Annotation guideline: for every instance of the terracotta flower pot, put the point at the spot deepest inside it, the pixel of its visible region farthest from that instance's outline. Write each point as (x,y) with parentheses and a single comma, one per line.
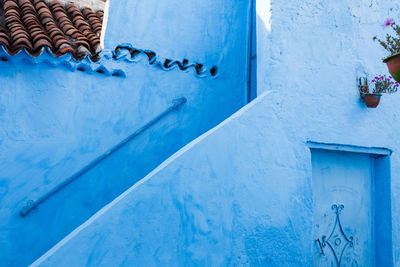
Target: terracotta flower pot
(393,64)
(371,100)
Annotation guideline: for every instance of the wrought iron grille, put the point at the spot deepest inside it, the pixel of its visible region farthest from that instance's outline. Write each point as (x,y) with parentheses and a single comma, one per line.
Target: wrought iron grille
(338,241)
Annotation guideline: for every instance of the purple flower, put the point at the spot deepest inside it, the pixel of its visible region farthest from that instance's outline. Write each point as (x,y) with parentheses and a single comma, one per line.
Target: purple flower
(389,22)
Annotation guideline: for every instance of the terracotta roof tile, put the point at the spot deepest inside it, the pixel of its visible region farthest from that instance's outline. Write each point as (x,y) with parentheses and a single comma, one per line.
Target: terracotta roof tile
(35,24)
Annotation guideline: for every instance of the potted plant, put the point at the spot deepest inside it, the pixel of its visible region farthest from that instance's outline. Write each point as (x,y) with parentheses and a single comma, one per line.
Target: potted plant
(382,84)
(392,45)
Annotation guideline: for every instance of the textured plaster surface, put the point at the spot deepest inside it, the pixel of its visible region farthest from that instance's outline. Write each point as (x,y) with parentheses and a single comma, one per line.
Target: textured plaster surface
(231,197)
(222,200)
(93,4)
(54,120)
(312,52)
(242,193)
(200,31)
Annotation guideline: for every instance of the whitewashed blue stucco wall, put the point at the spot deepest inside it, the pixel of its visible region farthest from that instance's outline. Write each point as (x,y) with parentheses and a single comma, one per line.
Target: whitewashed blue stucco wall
(55,119)
(232,197)
(311,53)
(241,194)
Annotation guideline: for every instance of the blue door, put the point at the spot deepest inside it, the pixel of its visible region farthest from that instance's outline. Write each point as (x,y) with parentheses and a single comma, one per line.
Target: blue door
(343,215)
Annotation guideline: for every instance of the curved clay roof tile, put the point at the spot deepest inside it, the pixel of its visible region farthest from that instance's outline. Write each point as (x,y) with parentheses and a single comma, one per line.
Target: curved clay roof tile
(26,5)
(4,35)
(5,42)
(54,34)
(12,12)
(39,4)
(23,42)
(58,37)
(61,42)
(31,24)
(15,26)
(23,2)
(86,11)
(65,48)
(34,24)
(19,33)
(9,4)
(77,35)
(45,12)
(40,36)
(83,42)
(58,8)
(41,43)
(55,2)
(30,17)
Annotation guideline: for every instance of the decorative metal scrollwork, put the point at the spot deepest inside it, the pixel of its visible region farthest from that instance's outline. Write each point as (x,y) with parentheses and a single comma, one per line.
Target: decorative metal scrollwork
(337,241)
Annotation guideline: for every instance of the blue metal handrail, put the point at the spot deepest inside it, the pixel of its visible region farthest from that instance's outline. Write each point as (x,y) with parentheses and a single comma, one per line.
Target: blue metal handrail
(32,204)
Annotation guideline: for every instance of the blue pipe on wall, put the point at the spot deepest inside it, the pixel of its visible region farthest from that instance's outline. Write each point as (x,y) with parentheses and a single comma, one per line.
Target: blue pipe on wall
(32,204)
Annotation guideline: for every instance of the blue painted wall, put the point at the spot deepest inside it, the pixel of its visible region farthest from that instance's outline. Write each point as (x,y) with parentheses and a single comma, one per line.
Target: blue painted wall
(56,119)
(242,193)
(201,31)
(232,197)
(312,53)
